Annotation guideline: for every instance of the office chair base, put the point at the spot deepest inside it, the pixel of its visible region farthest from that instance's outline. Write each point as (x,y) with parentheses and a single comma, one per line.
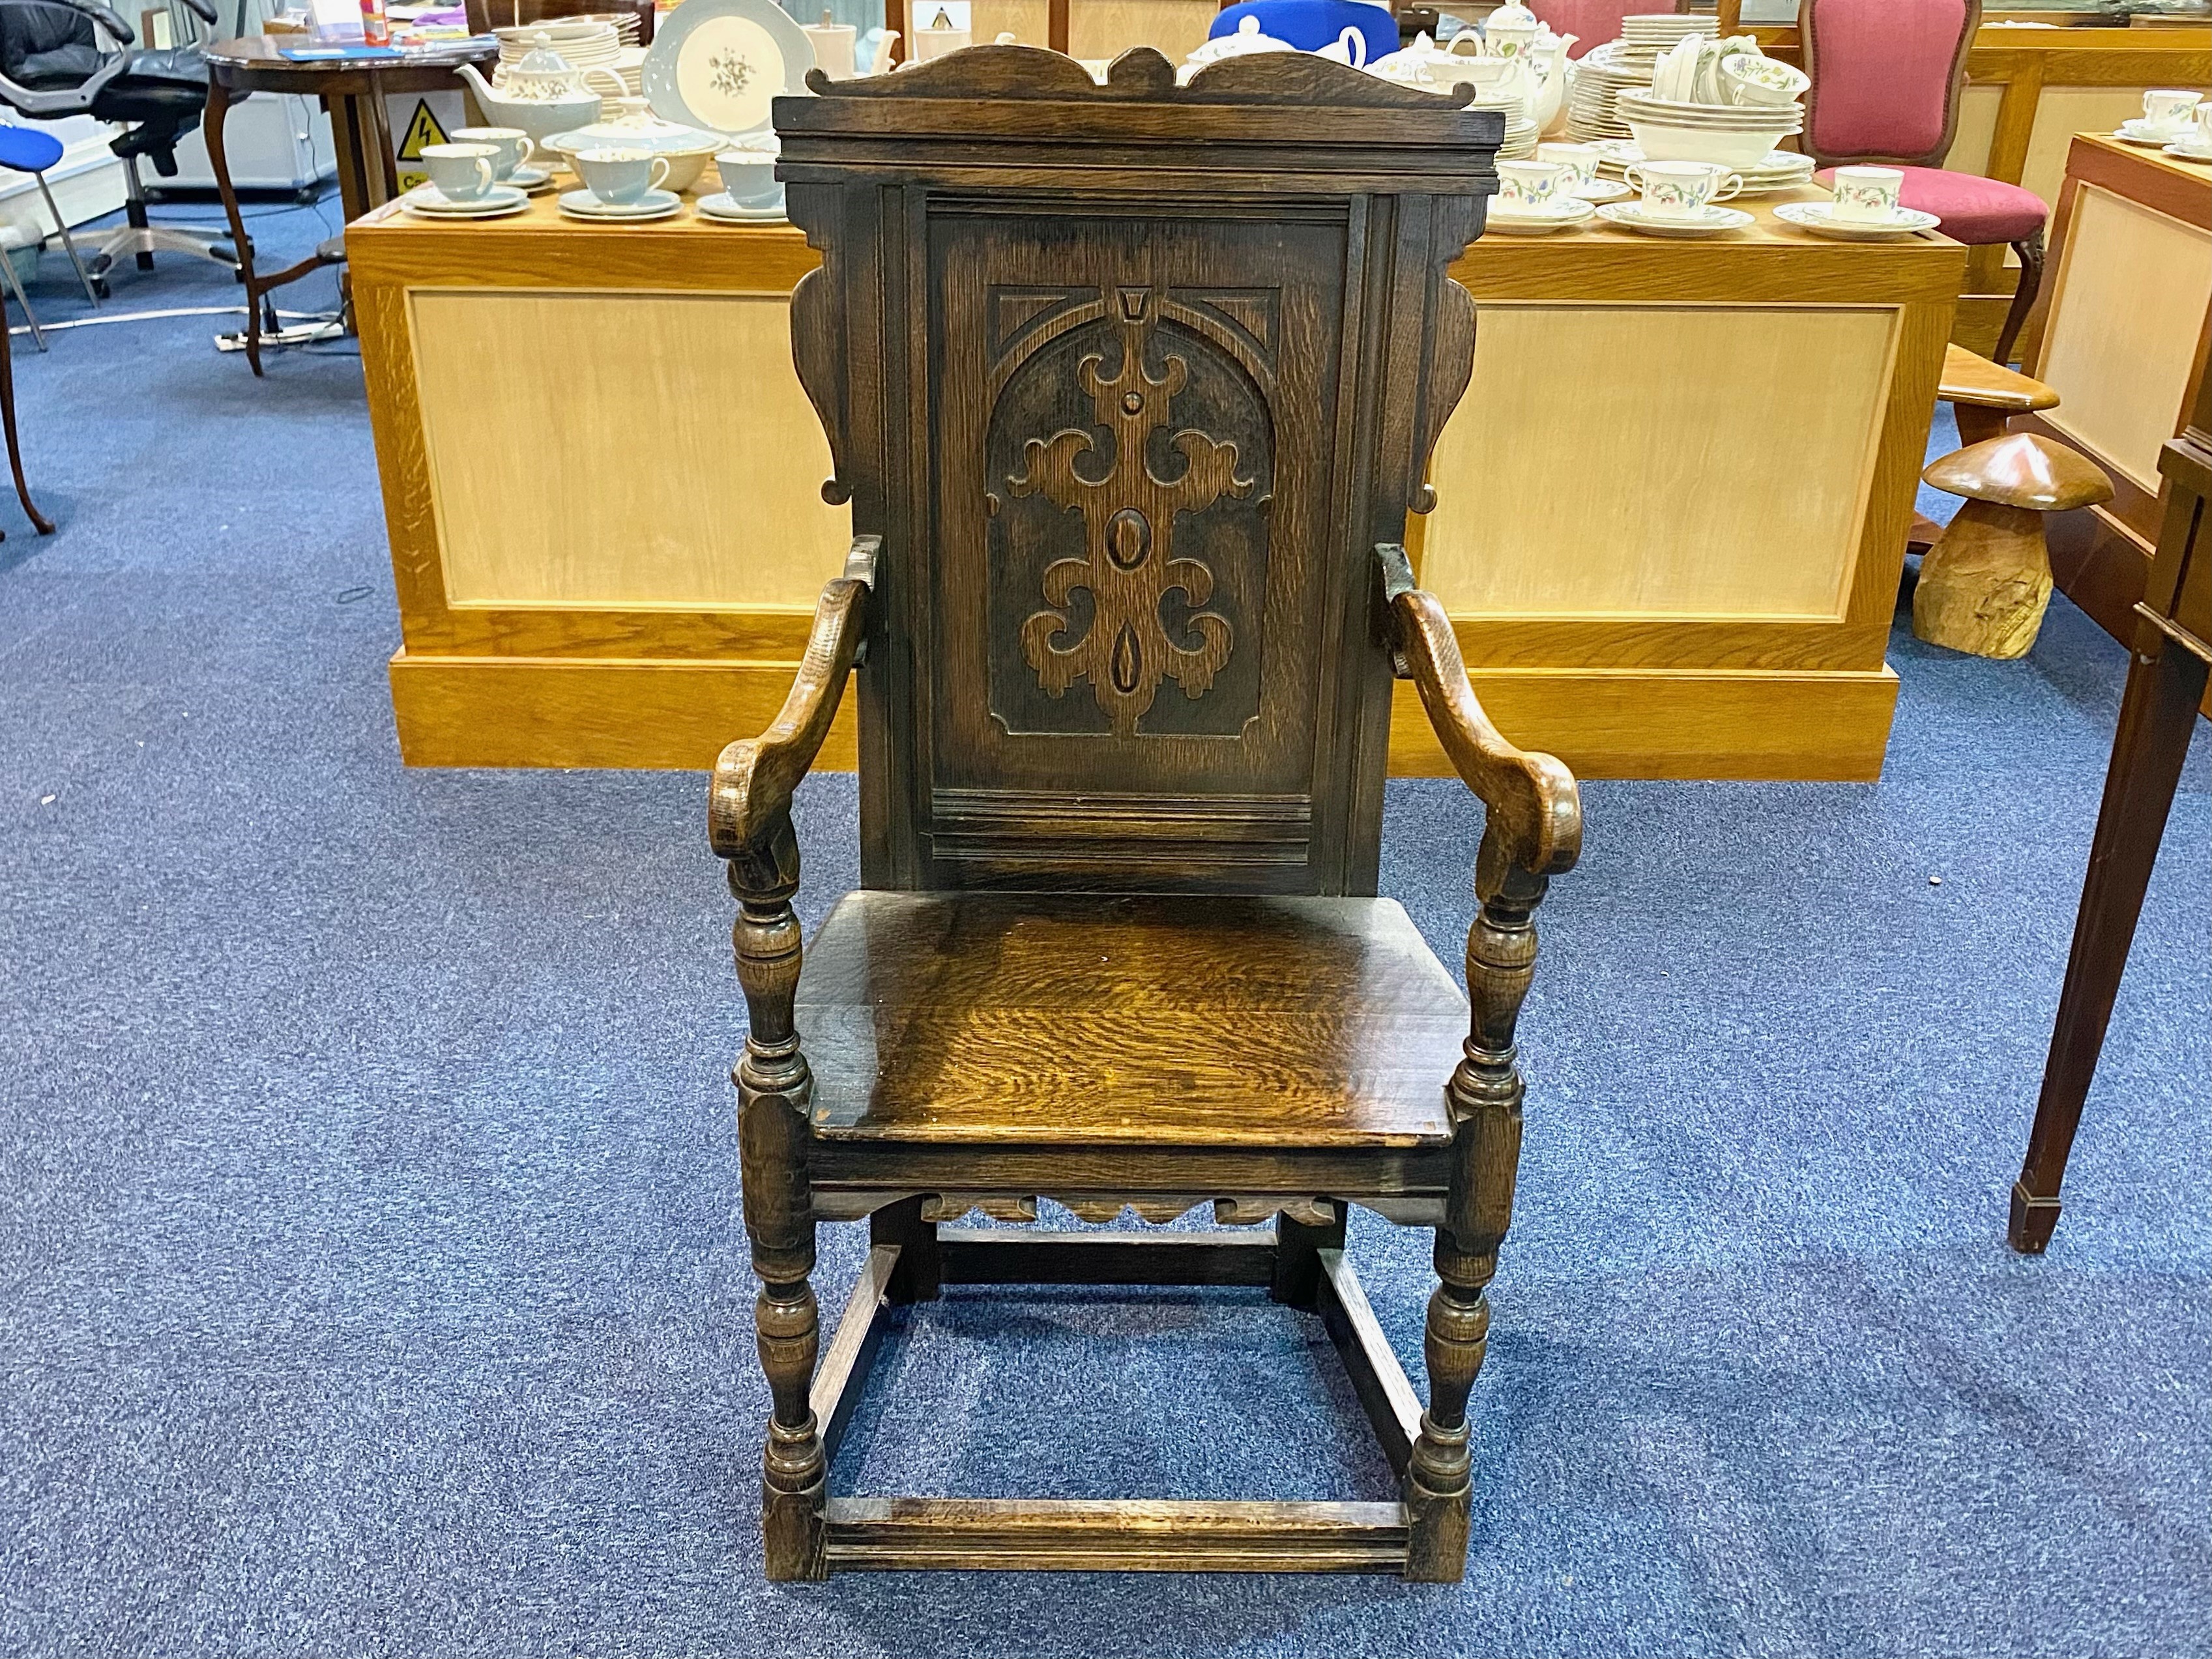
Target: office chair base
(104,248)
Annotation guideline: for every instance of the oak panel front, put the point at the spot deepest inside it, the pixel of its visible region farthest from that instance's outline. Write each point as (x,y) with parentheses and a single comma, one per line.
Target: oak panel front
(1729,488)
(2132,288)
(621,450)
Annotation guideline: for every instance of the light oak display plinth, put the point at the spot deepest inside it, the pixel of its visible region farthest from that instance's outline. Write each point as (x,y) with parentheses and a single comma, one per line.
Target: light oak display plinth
(1671,511)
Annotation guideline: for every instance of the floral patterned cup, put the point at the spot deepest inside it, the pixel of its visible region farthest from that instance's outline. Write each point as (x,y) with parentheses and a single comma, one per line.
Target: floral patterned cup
(1533,186)
(1867,195)
(2169,112)
(1682,190)
(1580,160)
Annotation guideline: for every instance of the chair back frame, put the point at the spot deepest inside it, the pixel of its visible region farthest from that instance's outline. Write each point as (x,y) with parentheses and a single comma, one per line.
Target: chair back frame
(1129,380)
(1809,26)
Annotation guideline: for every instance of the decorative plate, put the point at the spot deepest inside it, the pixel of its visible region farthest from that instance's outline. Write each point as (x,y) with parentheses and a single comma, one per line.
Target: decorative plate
(1628,215)
(1819,218)
(1572,211)
(718,64)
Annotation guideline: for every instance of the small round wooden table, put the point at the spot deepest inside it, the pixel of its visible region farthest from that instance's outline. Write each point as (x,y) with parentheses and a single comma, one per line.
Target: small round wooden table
(353,91)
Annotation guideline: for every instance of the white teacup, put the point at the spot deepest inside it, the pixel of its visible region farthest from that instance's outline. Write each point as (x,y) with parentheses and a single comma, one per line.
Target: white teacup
(1867,195)
(834,46)
(1580,160)
(461,173)
(748,176)
(513,144)
(2169,111)
(1682,190)
(619,176)
(1533,186)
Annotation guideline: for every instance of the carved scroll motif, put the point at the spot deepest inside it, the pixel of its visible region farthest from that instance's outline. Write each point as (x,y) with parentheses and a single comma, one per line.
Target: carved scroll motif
(1129,516)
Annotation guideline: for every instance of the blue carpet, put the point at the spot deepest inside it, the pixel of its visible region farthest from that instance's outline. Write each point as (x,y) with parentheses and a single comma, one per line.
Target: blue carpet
(371,1274)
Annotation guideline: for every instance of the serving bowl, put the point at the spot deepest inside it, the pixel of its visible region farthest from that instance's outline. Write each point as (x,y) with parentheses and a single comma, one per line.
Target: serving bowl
(1668,131)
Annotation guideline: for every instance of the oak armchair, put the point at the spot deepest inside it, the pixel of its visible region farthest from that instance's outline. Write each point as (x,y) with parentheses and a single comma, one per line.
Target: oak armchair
(1144,398)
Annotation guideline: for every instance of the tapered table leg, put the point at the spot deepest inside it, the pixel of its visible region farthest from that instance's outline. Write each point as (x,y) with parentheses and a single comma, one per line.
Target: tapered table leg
(2157,716)
(218,110)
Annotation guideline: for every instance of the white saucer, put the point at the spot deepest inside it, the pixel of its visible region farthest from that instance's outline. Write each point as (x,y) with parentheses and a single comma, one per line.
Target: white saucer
(430,203)
(2190,153)
(1819,218)
(531,180)
(719,206)
(1572,211)
(654,205)
(1628,215)
(1601,190)
(2135,132)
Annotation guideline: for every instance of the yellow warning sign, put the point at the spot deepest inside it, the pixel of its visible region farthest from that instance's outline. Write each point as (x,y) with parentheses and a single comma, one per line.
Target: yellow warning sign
(422,128)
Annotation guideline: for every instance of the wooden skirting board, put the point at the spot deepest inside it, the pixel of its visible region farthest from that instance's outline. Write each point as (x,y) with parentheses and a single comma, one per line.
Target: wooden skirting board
(1612,723)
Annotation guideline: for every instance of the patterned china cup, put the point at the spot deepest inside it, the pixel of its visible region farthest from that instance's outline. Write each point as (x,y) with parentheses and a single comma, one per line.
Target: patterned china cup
(1682,190)
(748,176)
(513,143)
(461,173)
(619,176)
(1533,186)
(1580,160)
(2169,111)
(1867,195)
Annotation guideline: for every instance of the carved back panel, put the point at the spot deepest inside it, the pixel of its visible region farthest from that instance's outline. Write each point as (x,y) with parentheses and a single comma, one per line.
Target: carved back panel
(1129,379)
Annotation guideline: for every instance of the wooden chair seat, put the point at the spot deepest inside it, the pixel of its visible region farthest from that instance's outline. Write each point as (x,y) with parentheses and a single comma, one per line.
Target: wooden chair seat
(1214,1021)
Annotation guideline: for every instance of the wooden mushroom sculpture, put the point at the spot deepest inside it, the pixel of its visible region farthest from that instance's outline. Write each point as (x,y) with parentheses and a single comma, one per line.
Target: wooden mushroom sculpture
(1985,583)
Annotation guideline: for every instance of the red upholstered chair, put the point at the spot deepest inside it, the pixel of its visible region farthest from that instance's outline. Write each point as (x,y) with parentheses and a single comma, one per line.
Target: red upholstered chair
(1885,78)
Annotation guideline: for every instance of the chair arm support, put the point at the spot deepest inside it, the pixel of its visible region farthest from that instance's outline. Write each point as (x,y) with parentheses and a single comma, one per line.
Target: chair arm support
(749,796)
(1535,811)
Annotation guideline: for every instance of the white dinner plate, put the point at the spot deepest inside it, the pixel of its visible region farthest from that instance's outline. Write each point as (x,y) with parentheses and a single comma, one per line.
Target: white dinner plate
(1628,215)
(718,64)
(1819,218)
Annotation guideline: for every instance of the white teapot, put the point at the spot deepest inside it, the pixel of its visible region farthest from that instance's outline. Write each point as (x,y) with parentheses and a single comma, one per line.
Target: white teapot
(540,93)
(1510,31)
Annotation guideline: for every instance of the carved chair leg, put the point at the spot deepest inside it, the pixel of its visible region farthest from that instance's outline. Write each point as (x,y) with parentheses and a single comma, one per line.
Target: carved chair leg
(2030,250)
(773,1089)
(1298,1245)
(1485,1098)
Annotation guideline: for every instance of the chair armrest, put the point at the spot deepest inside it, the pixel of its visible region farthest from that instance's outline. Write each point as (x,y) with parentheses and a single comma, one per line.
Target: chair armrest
(105,17)
(750,796)
(1976,382)
(1536,811)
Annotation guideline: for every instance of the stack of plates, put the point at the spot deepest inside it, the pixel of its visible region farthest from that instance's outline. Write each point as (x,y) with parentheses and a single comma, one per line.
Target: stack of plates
(1780,170)
(1737,135)
(582,42)
(629,64)
(1520,130)
(1650,33)
(1590,112)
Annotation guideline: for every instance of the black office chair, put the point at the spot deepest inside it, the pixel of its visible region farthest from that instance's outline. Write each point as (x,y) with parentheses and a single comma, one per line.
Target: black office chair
(52,64)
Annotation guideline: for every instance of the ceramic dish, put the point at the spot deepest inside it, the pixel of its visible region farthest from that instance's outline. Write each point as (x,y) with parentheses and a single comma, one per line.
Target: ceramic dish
(2136,132)
(1819,218)
(654,205)
(717,64)
(531,181)
(427,202)
(686,149)
(1601,190)
(1543,220)
(719,208)
(1630,215)
(2200,153)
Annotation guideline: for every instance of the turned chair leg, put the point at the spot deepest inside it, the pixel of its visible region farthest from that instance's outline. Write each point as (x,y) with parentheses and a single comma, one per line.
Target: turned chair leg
(2030,250)
(1485,1098)
(773,1136)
